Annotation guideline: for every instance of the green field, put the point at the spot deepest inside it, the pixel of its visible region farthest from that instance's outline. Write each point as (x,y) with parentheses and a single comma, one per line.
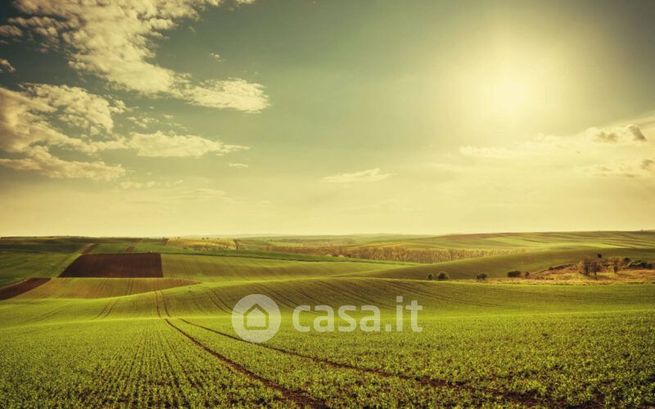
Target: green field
(169,342)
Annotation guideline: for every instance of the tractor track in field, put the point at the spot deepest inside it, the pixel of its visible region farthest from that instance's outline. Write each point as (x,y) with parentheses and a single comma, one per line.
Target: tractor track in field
(514,397)
(300,398)
(106,310)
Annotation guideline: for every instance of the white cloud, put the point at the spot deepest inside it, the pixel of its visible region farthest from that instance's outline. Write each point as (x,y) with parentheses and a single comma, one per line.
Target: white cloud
(237,165)
(234,93)
(215,56)
(115,41)
(77,107)
(26,130)
(5,66)
(369,175)
(159,144)
(38,159)
(541,145)
(26,117)
(612,151)
(136,185)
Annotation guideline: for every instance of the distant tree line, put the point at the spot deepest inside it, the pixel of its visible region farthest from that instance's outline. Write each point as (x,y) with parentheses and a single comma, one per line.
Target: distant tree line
(395,253)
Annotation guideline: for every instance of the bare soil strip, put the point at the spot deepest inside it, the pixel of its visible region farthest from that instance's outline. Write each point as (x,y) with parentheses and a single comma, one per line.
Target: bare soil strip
(115,266)
(21,287)
(301,398)
(515,397)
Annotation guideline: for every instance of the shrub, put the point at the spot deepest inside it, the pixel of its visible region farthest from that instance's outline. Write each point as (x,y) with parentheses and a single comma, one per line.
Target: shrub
(639,264)
(442,276)
(527,274)
(481,277)
(430,276)
(513,274)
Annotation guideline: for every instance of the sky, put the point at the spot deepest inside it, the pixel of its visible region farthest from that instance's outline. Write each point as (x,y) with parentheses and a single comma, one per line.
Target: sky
(192,117)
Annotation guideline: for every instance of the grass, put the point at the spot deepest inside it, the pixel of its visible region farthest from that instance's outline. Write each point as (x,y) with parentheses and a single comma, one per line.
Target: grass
(212,268)
(169,342)
(18,265)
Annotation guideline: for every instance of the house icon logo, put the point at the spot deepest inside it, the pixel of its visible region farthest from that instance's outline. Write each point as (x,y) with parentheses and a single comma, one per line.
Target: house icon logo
(256,318)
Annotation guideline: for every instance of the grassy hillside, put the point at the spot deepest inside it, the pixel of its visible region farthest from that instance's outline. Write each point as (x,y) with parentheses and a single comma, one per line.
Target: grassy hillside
(102,287)
(15,266)
(563,240)
(169,342)
(212,268)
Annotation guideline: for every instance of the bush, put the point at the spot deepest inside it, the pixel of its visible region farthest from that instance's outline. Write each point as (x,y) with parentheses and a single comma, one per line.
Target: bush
(442,276)
(430,276)
(481,277)
(527,274)
(639,264)
(514,274)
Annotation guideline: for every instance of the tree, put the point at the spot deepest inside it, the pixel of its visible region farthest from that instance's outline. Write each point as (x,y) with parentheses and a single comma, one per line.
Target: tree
(513,274)
(585,266)
(237,244)
(430,276)
(590,266)
(481,277)
(616,264)
(442,276)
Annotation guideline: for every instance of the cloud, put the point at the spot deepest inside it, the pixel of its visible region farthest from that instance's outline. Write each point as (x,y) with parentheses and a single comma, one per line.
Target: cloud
(41,161)
(215,56)
(135,185)
(115,41)
(159,144)
(628,134)
(10,31)
(637,134)
(628,169)
(234,93)
(77,107)
(5,66)
(237,165)
(27,130)
(369,175)
(541,145)
(26,118)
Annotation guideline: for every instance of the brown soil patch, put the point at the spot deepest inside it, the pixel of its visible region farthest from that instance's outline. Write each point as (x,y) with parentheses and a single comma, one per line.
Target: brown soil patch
(115,265)
(21,287)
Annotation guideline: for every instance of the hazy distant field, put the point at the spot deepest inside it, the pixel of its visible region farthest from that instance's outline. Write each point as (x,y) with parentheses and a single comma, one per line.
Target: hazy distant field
(93,341)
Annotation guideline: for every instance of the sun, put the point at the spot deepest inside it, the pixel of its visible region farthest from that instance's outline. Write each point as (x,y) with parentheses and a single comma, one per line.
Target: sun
(509,97)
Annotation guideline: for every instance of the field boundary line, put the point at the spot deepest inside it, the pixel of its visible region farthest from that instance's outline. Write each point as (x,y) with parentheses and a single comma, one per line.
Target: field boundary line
(89,248)
(301,398)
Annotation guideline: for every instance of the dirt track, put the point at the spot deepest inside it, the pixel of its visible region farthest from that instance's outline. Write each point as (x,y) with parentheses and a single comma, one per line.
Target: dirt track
(21,287)
(125,265)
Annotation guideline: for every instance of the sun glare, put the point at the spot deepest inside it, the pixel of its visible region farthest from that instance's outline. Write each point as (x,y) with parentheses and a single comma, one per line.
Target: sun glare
(509,97)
